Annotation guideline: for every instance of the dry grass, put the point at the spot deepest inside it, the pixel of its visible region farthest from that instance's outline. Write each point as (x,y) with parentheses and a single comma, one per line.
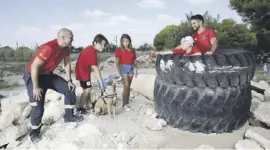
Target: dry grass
(261,75)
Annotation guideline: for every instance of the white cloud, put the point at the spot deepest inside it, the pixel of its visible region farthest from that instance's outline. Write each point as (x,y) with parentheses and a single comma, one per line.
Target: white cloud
(95,13)
(111,25)
(157,4)
(118,19)
(199,2)
(168,19)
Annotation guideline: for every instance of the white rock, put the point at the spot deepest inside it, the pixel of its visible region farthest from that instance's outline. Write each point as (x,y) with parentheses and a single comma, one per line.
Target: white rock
(260,135)
(247,144)
(53,112)
(6,119)
(52,95)
(123,137)
(147,81)
(154,115)
(149,112)
(262,113)
(254,104)
(122,146)
(105,145)
(13,144)
(205,147)
(267,94)
(12,133)
(85,130)
(26,112)
(257,95)
(65,146)
(264,84)
(155,124)
(161,122)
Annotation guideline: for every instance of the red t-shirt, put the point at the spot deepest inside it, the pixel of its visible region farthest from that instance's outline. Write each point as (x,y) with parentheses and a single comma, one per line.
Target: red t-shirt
(202,40)
(87,58)
(51,54)
(126,56)
(183,52)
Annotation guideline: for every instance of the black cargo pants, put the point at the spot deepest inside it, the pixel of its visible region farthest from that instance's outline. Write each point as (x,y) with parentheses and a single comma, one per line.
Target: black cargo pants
(47,81)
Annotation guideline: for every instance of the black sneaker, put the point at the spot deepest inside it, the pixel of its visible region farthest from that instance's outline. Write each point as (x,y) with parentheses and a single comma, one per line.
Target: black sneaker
(74,119)
(34,138)
(81,111)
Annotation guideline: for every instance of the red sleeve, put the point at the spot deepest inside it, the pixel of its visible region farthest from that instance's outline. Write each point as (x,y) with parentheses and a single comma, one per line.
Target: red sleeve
(178,52)
(212,33)
(92,57)
(44,53)
(195,50)
(118,52)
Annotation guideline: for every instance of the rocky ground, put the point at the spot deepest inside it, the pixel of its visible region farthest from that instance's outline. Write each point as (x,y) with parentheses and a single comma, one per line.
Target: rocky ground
(138,128)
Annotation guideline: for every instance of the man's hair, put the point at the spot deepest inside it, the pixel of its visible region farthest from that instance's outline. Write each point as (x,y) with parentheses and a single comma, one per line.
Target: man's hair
(197,17)
(99,38)
(125,36)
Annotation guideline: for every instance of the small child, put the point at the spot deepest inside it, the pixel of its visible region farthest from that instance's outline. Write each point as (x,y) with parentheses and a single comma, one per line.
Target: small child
(186,48)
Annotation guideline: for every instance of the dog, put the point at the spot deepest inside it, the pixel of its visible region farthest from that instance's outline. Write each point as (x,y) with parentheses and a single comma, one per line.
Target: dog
(106,104)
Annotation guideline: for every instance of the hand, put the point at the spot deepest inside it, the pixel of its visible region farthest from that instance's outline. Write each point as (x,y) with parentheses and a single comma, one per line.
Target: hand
(37,93)
(71,86)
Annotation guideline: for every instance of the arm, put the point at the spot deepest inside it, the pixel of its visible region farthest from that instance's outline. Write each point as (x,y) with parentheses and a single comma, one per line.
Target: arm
(213,40)
(42,56)
(37,63)
(165,52)
(135,69)
(98,75)
(67,66)
(117,64)
(214,44)
(197,54)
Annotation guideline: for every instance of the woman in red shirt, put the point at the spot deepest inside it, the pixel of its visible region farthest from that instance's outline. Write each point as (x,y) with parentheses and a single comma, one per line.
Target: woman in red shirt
(125,57)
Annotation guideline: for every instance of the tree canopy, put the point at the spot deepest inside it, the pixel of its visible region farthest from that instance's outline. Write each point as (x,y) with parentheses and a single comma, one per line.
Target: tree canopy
(230,34)
(257,14)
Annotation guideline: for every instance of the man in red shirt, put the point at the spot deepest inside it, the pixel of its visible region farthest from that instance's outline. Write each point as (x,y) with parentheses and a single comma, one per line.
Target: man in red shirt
(186,48)
(39,77)
(87,61)
(205,38)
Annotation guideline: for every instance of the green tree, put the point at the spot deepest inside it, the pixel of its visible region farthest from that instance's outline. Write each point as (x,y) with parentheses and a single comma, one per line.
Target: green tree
(233,35)
(256,12)
(145,47)
(230,34)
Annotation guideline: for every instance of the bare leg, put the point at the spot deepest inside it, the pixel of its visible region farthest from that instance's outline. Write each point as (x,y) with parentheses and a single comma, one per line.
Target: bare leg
(126,90)
(88,102)
(84,96)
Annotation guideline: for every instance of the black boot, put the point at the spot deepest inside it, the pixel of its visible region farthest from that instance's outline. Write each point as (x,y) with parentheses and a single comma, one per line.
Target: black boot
(73,119)
(35,137)
(70,117)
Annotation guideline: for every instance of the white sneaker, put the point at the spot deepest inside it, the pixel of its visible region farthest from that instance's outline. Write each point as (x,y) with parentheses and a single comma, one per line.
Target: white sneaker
(126,108)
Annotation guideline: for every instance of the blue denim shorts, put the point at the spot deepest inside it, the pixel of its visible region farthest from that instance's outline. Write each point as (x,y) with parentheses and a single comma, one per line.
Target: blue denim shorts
(127,70)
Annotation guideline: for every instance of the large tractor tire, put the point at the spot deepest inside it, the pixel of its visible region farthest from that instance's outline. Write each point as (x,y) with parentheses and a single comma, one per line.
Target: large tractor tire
(206,110)
(230,67)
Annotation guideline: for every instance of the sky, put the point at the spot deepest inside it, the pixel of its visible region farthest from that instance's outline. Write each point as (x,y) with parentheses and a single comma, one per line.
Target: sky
(31,22)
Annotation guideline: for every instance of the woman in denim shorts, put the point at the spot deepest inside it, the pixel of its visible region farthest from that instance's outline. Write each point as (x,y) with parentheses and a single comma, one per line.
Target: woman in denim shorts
(126,66)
